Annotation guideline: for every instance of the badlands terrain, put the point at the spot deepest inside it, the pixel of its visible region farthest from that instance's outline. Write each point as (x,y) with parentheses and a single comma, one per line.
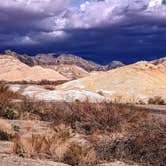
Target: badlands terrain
(136,83)
(67,111)
(13,70)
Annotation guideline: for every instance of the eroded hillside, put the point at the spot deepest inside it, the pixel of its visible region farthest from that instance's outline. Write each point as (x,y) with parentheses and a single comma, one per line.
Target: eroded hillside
(129,84)
(11,69)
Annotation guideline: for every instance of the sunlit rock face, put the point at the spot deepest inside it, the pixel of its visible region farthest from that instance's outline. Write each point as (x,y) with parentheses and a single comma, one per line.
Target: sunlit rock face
(128,84)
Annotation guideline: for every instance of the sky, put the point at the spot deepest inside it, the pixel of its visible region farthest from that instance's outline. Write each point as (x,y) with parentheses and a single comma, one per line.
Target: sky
(99,30)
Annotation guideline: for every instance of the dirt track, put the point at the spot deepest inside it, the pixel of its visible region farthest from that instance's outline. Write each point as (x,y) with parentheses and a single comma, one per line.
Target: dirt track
(159,111)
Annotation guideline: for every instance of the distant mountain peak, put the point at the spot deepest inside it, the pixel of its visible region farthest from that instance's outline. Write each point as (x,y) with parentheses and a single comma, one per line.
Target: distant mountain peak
(68,59)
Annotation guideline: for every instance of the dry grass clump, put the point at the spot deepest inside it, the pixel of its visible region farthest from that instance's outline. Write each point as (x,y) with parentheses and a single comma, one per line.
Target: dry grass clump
(6,94)
(59,145)
(23,109)
(6,132)
(80,155)
(4,126)
(50,145)
(157,100)
(6,97)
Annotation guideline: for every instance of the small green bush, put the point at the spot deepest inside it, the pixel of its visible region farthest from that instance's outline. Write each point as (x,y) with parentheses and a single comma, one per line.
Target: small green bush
(16,128)
(8,113)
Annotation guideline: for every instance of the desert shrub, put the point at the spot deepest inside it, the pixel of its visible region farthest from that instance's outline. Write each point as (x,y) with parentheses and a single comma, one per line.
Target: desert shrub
(80,115)
(28,106)
(16,128)
(104,150)
(20,151)
(25,109)
(52,145)
(80,155)
(8,113)
(141,102)
(143,142)
(6,97)
(147,142)
(4,136)
(28,109)
(157,100)
(143,138)
(6,94)
(88,118)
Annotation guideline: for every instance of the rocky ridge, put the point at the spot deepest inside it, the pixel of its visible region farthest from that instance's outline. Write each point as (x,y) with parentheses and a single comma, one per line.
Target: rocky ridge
(63,59)
(160,62)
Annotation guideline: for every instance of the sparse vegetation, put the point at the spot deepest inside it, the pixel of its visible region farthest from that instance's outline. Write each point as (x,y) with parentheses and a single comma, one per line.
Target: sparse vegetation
(87,134)
(6,94)
(4,136)
(16,128)
(142,144)
(142,137)
(157,100)
(42,82)
(6,97)
(9,113)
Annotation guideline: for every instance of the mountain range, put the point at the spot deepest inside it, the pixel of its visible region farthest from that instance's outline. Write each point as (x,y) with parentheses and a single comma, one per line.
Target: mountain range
(82,79)
(47,60)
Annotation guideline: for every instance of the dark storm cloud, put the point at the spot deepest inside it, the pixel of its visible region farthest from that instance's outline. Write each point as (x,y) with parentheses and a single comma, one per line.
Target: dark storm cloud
(127,44)
(126,30)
